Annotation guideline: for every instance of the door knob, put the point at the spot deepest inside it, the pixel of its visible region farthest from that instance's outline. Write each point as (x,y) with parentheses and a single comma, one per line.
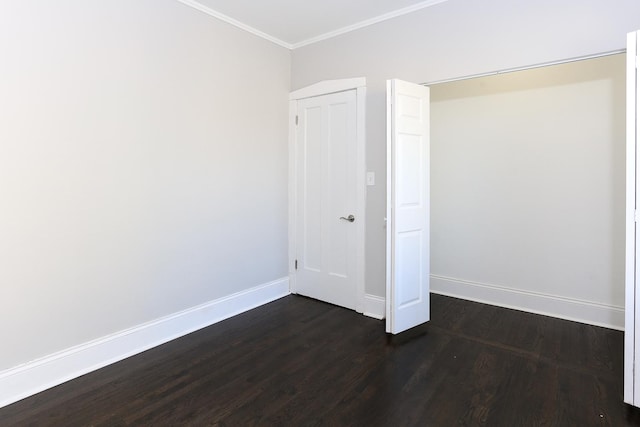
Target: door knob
(350,218)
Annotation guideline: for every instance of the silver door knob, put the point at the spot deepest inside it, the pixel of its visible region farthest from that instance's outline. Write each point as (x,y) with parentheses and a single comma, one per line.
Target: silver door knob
(350,218)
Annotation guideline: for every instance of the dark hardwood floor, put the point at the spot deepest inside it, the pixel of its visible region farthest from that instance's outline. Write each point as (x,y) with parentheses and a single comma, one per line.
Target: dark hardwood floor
(300,362)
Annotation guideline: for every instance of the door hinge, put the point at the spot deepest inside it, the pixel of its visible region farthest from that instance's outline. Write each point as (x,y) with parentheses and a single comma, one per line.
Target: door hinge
(296,120)
(296,264)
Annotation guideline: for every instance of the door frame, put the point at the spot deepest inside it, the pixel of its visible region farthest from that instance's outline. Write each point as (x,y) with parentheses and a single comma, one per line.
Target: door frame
(325,88)
(632,311)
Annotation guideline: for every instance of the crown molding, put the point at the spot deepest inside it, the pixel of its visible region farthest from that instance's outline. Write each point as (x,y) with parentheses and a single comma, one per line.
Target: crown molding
(229,20)
(367,22)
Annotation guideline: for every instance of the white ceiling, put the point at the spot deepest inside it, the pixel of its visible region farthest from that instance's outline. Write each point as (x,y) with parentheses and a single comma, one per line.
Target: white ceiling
(295,23)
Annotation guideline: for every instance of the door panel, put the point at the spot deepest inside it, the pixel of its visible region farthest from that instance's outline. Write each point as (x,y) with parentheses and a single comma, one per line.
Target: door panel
(312,184)
(407,206)
(326,191)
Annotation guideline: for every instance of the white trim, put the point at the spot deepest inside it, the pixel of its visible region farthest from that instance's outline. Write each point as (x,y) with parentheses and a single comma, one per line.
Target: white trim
(318,89)
(630,386)
(33,377)
(361,202)
(293,188)
(604,315)
(229,20)
(387,219)
(374,306)
(527,67)
(327,87)
(367,22)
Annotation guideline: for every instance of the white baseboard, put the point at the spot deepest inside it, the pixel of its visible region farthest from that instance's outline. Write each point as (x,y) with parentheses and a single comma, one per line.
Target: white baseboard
(50,371)
(550,305)
(374,306)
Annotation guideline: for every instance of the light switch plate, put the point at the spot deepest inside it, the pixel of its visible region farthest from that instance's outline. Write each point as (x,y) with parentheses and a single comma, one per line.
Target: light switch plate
(371,178)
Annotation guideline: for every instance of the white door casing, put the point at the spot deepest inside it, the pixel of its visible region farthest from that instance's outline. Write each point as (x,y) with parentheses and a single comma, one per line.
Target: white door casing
(327,181)
(632,263)
(408,205)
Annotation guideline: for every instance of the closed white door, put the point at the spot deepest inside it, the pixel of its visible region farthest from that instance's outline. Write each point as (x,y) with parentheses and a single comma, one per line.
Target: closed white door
(407,205)
(326,198)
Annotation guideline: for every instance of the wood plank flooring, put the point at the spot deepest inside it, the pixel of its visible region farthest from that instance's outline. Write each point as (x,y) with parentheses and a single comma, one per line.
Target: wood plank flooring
(300,362)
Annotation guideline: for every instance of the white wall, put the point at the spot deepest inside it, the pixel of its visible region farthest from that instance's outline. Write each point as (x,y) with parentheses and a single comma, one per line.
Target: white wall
(451,39)
(528,188)
(143,167)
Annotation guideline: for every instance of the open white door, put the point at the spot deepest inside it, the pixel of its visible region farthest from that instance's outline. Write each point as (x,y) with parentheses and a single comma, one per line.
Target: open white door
(632,269)
(407,205)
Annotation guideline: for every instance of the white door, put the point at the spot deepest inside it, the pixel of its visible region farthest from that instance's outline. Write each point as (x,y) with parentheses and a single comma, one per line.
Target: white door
(407,205)
(326,198)
(632,270)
